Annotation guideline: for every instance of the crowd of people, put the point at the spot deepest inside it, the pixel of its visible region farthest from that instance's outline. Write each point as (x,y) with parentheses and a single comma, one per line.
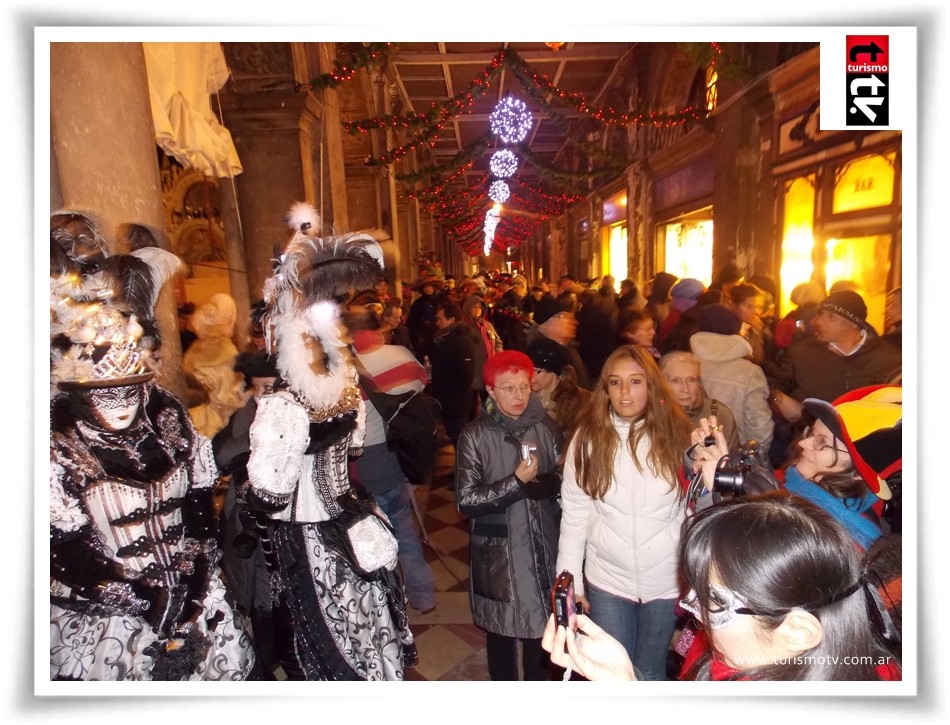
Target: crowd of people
(619,436)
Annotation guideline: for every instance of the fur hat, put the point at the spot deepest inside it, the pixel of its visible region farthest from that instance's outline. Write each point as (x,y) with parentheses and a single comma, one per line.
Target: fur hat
(549,355)
(719,319)
(868,422)
(849,305)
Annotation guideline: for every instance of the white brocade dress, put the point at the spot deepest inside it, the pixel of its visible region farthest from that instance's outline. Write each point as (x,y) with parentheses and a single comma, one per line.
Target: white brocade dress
(344,626)
(131,512)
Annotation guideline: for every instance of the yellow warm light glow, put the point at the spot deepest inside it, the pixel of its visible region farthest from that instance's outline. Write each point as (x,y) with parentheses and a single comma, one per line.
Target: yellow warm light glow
(865,183)
(798,241)
(497,207)
(618,251)
(688,249)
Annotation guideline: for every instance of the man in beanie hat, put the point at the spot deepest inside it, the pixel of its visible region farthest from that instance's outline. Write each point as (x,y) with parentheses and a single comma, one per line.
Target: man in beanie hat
(845,353)
(555,321)
(729,376)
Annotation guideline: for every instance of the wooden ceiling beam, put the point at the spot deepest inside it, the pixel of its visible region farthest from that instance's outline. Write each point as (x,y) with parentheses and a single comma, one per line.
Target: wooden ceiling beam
(590,52)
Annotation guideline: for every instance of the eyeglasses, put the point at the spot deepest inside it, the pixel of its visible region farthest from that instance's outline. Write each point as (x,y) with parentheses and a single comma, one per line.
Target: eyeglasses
(510,390)
(726,605)
(820,444)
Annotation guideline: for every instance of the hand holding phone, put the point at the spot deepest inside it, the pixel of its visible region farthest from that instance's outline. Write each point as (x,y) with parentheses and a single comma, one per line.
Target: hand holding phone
(563,601)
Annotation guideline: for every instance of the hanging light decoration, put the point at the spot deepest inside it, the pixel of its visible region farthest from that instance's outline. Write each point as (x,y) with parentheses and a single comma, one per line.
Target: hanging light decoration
(499,191)
(511,120)
(492,217)
(503,163)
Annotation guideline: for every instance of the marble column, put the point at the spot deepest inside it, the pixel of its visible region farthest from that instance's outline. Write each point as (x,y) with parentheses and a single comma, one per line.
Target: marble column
(104,157)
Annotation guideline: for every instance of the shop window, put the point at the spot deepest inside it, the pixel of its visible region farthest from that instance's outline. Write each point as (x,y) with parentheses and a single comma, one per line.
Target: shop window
(864,183)
(688,249)
(864,260)
(617,251)
(798,240)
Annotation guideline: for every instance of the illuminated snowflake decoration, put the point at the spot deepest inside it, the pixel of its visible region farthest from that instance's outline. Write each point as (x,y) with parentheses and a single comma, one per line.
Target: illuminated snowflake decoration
(503,163)
(511,120)
(499,191)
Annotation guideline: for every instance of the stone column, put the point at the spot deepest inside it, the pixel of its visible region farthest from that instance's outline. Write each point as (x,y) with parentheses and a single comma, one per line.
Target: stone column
(105,159)
(273,136)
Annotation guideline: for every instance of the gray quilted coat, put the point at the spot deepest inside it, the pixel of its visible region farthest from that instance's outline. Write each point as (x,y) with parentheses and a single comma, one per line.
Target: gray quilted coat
(513,537)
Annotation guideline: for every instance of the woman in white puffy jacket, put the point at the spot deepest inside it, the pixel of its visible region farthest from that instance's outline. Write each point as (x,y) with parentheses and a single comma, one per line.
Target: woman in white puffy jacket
(623,507)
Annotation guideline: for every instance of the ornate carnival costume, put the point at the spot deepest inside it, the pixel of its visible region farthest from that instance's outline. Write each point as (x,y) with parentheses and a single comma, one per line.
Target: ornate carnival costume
(135,591)
(333,620)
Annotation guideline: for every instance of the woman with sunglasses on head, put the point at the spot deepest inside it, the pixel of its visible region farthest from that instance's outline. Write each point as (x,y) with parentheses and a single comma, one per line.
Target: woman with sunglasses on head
(845,457)
(786,600)
(623,506)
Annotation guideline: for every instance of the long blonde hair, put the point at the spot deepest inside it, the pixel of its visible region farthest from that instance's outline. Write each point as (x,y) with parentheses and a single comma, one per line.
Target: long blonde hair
(665,425)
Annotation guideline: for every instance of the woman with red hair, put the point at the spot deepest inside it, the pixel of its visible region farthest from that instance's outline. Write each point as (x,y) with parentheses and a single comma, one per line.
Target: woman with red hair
(507,483)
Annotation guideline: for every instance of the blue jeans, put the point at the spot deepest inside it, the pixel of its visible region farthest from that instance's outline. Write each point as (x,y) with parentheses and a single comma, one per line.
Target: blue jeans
(645,630)
(418,576)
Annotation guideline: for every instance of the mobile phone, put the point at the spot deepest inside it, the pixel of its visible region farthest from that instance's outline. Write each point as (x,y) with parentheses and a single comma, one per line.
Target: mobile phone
(563,601)
(526,450)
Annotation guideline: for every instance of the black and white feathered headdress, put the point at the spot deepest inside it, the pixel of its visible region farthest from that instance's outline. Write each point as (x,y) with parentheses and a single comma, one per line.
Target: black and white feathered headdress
(102,307)
(311,278)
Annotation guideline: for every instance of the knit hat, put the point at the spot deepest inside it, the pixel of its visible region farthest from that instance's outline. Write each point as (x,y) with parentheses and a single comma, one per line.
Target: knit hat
(548,355)
(850,305)
(685,293)
(546,308)
(719,319)
(868,421)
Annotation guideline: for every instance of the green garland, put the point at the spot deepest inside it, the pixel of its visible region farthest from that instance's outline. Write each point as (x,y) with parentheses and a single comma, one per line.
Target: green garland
(344,69)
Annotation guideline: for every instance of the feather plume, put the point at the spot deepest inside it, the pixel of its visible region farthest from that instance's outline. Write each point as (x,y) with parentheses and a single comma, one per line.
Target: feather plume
(328,268)
(164,265)
(304,218)
(141,275)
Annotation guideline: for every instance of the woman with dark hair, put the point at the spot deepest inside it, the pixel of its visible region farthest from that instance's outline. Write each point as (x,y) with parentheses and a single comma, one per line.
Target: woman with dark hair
(750,304)
(786,600)
(623,506)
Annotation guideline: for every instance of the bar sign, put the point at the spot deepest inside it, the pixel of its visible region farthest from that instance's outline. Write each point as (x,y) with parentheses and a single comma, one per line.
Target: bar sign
(867,79)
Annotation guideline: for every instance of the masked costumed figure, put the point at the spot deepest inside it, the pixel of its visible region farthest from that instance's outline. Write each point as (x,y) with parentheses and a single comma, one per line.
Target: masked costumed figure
(339,604)
(135,591)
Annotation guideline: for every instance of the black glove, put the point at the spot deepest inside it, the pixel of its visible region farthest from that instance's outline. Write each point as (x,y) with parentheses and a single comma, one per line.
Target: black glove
(545,485)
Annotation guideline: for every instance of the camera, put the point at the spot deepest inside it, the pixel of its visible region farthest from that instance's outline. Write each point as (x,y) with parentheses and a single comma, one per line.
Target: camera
(527,449)
(741,473)
(563,602)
